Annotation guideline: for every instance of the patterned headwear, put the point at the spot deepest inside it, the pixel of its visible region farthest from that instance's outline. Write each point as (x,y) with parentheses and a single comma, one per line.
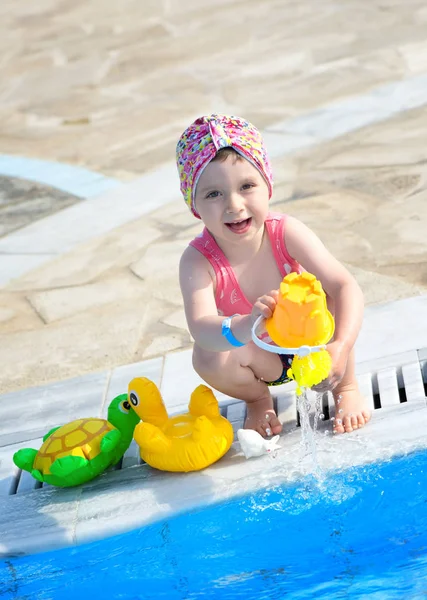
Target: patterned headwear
(202,140)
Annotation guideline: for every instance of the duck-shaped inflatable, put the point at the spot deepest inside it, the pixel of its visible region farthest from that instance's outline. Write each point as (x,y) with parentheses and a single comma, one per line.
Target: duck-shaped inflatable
(187,442)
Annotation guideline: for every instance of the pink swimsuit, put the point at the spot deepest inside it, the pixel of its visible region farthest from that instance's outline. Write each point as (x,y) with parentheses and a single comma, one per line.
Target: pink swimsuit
(229,297)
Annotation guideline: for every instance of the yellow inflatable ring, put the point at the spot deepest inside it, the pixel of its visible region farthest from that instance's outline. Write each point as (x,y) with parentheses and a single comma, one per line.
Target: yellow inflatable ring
(187,442)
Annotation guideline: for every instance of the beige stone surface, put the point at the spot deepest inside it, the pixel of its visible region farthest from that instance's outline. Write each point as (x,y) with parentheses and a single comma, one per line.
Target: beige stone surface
(100,338)
(163,345)
(168,294)
(415,56)
(61,303)
(176,319)
(110,86)
(176,221)
(16,313)
(365,195)
(191,232)
(93,259)
(160,261)
(382,288)
(86,342)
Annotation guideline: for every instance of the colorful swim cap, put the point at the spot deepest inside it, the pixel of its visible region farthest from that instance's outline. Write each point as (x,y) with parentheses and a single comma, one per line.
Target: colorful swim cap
(203,139)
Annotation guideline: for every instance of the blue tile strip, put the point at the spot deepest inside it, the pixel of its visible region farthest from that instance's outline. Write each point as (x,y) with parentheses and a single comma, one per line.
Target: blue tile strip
(68,178)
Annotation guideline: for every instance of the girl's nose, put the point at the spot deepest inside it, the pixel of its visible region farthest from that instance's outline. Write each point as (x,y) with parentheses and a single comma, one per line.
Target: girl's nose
(234,204)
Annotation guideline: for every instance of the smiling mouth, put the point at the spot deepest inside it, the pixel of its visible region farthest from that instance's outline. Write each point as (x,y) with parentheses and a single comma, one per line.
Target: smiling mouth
(239,226)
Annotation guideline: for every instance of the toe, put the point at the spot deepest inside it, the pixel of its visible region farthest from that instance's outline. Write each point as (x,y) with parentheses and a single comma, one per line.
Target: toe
(267,432)
(262,418)
(361,420)
(264,430)
(354,421)
(367,415)
(274,425)
(347,425)
(270,428)
(338,426)
(259,428)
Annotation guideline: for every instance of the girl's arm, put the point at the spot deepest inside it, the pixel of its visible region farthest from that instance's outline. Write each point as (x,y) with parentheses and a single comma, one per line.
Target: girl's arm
(201,312)
(306,248)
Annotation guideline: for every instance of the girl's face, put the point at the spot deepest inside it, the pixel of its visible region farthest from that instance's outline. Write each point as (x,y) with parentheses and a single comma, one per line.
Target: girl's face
(232,199)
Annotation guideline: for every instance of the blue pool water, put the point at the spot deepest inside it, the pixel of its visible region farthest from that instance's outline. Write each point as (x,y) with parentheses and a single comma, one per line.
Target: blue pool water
(362,534)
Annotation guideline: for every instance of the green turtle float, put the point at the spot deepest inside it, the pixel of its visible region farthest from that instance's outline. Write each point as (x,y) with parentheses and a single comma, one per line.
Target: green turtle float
(81,450)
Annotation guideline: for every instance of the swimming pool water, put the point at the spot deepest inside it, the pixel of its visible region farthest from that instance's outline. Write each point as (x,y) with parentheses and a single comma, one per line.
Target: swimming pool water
(361,534)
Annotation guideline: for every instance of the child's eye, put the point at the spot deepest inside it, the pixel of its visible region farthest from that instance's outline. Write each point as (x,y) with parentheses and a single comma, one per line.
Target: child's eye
(247,186)
(214,194)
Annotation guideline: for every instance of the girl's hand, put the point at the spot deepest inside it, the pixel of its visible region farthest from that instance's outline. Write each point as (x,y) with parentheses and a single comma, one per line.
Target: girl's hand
(339,354)
(265,305)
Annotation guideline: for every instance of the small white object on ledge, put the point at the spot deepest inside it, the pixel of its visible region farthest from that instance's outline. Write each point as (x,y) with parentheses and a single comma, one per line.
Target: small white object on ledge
(253,444)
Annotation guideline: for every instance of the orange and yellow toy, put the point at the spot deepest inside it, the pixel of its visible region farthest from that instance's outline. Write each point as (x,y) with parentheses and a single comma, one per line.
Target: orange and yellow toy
(301,317)
(187,442)
(301,325)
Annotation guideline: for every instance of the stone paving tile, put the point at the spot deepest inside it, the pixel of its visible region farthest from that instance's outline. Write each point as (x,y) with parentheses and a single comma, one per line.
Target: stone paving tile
(100,503)
(13,266)
(379,288)
(339,118)
(379,142)
(179,380)
(169,294)
(17,314)
(408,329)
(55,305)
(415,56)
(162,344)
(44,515)
(90,261)
(96,339)
(121,377)
(33,412)
(160,261)
(176,319)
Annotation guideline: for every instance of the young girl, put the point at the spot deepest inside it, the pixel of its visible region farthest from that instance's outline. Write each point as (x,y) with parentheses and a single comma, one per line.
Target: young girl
(230,274)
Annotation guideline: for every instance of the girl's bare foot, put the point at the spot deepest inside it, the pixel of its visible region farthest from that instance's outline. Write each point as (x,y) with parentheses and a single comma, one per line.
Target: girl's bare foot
(262,418)
(351,411)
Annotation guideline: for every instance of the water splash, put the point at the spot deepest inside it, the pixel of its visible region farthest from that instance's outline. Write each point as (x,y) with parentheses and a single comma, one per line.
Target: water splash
(308,433)
(308,371)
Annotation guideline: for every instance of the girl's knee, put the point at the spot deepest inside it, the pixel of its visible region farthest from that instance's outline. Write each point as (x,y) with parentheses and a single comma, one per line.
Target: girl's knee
(222,369)
(206,362)
(218,366)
